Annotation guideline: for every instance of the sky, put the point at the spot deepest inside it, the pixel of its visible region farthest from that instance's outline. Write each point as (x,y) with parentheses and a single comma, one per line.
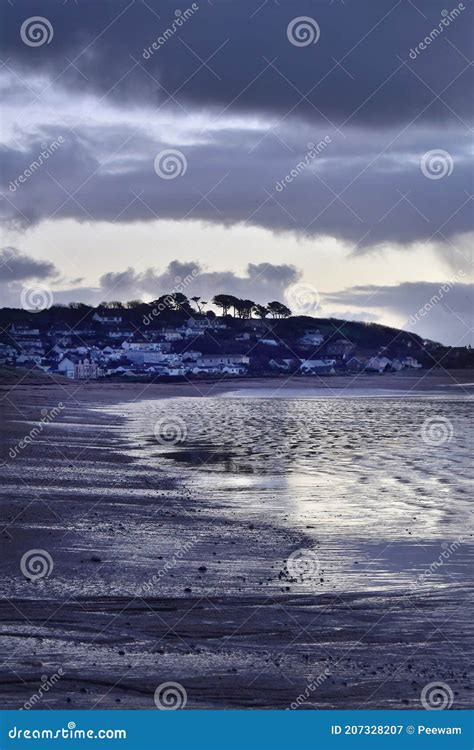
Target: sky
(317,152)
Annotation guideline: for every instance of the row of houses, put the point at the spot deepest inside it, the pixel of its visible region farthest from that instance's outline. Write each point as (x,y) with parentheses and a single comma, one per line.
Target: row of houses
(131,362)
(111,348)
(379,364)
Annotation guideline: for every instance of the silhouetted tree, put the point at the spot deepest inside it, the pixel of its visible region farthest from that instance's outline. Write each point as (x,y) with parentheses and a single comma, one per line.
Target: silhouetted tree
(236,303)
(278,309)
(224,301)
(181,302)
(247,306)
(260,311)
(112,305)
(197,302)
(79,306)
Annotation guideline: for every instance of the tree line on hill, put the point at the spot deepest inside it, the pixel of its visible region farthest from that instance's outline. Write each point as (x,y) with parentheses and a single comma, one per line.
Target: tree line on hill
(177,301)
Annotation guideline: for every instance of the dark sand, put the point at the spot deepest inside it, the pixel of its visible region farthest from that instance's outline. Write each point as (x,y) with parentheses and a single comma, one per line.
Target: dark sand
(110,525)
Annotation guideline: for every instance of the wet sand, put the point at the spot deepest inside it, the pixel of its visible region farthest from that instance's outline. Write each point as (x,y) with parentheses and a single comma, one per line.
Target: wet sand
(123,611)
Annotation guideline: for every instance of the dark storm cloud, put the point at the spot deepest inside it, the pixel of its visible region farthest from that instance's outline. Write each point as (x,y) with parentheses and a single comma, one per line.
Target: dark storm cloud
(236,55)
(351,87)
(355,189)
(16,266)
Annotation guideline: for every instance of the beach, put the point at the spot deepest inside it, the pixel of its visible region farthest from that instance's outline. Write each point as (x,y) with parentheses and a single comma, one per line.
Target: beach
(170,559)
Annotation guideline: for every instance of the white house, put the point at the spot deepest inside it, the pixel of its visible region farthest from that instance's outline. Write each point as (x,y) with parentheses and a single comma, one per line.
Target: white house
(20,329)
(174,371)
(213,360)
(282,364)
(411,363)
(206,323)
(119,333)
(378,364)
(141,357)
(311,338)
(142,346)
(107,318)
(66,367)
(326,366)
(234,370)
(172,335)
(78,368)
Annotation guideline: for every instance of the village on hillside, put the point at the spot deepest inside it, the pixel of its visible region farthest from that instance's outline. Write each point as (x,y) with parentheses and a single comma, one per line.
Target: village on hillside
(171,339)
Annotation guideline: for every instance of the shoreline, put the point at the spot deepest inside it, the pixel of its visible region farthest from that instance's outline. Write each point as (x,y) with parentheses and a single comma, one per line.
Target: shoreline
(408,382)
(118,621)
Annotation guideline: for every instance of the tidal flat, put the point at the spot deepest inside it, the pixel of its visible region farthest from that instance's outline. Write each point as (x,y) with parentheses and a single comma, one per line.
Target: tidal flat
(262,552)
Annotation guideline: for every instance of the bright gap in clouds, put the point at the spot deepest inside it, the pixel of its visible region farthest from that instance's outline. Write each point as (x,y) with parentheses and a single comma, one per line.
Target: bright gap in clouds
(85,249)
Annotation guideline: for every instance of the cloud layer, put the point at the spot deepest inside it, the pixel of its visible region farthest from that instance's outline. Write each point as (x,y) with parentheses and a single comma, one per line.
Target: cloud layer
(435,311)
(244,120)
(349,122)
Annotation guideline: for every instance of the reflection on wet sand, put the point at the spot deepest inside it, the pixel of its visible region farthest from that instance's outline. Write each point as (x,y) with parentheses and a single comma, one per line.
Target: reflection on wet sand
(175,560)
